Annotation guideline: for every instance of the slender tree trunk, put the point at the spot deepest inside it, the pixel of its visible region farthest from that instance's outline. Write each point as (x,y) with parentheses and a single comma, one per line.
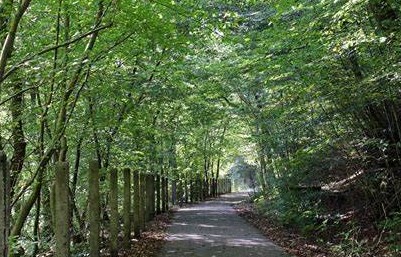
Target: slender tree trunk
(76,165)
(59,130)
(75,213)
(94,132)
(8,44)
(28,204)
(19,144)
(4,204)
(36,227)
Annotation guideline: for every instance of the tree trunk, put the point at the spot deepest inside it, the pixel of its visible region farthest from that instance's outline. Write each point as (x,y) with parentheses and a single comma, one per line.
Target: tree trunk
(36,227)
(4,204)
(18,137)
(76,165)
(8,44)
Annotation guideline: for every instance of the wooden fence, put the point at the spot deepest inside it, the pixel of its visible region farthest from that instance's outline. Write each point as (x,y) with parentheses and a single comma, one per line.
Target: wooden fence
(144,195)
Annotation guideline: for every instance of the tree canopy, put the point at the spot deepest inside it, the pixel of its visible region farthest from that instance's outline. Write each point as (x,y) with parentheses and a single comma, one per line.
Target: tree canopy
(307,91)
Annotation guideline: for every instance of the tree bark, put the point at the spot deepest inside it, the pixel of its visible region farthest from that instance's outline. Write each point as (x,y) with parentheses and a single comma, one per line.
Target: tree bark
(8,44)
(4,204)
(18,137)
(36,227)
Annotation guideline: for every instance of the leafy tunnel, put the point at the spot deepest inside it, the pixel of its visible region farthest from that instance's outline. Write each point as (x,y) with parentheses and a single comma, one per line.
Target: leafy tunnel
(297,101)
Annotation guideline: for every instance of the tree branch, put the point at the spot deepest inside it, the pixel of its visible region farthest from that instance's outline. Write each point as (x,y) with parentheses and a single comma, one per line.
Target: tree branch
(51,48)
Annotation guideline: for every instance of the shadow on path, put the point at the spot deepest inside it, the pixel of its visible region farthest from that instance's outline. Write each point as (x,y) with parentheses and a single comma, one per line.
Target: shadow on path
(213,228)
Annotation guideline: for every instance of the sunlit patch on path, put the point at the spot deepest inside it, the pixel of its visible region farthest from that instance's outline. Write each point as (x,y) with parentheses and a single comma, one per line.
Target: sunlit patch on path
(213,228)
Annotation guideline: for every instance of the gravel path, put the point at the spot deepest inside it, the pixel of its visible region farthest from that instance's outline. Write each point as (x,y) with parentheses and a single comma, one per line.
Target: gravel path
(213,229)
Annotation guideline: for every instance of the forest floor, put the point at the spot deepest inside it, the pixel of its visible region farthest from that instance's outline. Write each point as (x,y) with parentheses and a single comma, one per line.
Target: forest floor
(153,239)
(293,243)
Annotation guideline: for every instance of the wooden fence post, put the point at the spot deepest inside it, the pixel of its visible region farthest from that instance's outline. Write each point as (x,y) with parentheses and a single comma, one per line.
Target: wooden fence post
(199,190)
(163,182)
(146,195)
(214,187)
(186,194)
(137,224)
(158,200)
(191,190)
(210,187)
(225,186)
(149,197)
(94,208)
(166,189)
(127,208)
(142,181)
(196,195)
(152,196)
(114,218)
(180,190)
(173,192)
(4,204)
(62,210)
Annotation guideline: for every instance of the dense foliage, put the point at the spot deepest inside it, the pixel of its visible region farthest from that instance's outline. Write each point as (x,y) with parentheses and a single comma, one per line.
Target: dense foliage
(310,89)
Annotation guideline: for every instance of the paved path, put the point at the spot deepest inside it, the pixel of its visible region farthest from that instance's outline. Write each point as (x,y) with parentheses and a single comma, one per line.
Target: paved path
(213,229)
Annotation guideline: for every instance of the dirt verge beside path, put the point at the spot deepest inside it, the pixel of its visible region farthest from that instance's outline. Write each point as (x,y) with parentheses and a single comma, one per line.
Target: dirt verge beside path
(292,243)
